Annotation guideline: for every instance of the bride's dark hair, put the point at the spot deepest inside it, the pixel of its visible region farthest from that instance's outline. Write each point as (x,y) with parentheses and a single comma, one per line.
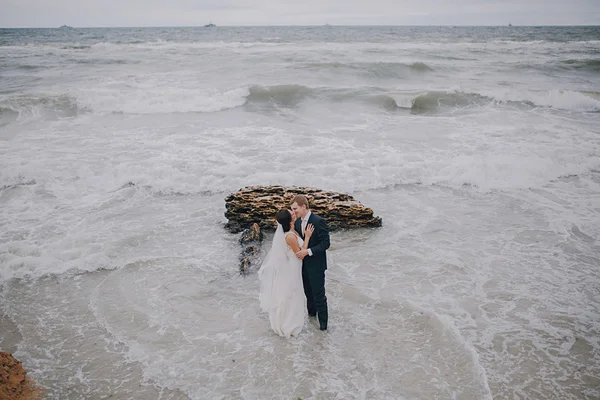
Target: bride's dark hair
(284,217)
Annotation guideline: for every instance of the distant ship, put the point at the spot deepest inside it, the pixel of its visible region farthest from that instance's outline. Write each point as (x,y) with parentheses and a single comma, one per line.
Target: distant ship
(211,25)
(509,24)
(65,27)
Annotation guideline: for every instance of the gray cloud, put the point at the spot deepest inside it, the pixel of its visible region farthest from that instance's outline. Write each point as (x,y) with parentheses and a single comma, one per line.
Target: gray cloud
(44,13)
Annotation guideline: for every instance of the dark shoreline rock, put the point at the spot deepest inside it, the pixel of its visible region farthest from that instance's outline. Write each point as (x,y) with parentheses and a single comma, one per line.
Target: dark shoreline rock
(250,241)
(259,204)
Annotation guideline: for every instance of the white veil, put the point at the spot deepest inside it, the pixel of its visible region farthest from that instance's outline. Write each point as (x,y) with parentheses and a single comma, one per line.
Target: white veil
(272,273)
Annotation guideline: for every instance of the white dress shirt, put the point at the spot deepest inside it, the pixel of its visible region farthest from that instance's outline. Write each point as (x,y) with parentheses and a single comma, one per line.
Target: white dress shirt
(304,223)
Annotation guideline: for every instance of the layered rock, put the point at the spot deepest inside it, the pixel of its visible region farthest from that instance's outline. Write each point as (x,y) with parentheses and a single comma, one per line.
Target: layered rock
(259,204)
(14,383)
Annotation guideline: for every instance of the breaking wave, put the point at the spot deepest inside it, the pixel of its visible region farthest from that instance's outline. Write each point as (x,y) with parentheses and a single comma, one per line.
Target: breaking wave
(288,96)
(24,107)
(588,65)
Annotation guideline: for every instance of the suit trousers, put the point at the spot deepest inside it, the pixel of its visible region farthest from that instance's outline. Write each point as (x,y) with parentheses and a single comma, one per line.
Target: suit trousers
(314,289)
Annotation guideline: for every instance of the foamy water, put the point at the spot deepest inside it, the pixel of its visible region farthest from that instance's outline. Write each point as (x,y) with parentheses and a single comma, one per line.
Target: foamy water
(479,148)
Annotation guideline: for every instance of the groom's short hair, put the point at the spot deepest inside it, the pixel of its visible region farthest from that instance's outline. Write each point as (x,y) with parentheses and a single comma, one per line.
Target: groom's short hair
(301,200)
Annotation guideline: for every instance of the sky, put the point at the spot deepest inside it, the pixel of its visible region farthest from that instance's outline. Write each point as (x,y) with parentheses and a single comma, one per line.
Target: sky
(130,13)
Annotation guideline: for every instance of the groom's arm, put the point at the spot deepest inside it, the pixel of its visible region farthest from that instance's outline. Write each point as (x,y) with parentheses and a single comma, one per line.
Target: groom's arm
(322,232)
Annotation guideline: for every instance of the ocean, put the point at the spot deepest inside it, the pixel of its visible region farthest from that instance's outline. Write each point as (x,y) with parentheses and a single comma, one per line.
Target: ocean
(479,147)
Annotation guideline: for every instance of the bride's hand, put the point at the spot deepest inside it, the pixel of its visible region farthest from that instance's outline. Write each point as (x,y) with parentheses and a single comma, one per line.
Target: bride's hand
(308,231)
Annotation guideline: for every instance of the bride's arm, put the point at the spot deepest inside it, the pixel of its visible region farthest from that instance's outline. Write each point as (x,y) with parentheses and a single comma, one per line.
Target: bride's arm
(292,241)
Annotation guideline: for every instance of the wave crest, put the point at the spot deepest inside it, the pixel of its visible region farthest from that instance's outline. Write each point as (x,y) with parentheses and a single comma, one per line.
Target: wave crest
(24,107)
(588,65)
(7,116)
(440,101)
(162,100)
(433,101)
(429,102)
(280,95)
(373,69)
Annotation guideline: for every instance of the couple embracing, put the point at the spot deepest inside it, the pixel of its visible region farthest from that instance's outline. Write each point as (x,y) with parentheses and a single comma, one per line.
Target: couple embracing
(293,273)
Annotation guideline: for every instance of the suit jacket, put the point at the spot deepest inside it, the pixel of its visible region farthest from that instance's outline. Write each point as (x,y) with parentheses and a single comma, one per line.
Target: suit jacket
(318,243)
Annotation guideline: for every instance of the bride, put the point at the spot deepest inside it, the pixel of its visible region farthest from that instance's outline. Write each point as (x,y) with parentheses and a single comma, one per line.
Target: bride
(281,289)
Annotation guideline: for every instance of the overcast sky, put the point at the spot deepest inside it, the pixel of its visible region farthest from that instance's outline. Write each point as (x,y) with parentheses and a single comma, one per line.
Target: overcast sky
(101,13)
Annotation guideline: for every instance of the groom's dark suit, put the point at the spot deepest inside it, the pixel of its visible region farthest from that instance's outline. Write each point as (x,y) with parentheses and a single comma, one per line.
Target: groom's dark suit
(313,268)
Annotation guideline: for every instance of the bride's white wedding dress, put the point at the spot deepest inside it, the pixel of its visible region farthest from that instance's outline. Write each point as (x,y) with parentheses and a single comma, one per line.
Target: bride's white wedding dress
(281,290)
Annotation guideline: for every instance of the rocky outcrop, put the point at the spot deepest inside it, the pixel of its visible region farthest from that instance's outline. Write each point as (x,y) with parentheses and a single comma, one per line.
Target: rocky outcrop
(259,204)
(14,384)
(250,241)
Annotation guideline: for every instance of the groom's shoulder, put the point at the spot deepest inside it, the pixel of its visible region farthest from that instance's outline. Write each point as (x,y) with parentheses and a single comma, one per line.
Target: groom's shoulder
(317,217)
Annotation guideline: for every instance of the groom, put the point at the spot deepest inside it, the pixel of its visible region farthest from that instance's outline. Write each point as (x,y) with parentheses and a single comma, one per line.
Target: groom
(314,259)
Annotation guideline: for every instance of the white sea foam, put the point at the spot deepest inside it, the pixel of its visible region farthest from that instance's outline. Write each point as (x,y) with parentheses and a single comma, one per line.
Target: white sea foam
(559,99)
(163,99)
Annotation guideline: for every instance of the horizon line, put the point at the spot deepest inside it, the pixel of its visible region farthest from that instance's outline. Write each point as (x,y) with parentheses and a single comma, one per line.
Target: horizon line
(306,25)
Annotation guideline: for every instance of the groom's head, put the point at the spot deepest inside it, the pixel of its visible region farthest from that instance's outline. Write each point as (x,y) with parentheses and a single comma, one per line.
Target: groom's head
(300,205)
